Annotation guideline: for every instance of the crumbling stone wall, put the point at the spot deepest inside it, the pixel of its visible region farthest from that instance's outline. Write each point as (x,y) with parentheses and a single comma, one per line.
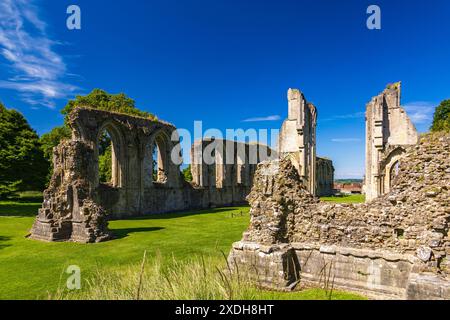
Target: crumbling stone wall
(388,131)
(76,203)
(70,209)
(396,246)
(231,163)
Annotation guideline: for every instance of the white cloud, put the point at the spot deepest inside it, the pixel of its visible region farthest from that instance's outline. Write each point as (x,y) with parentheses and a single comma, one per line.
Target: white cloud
(36,70)
(344,140)
(261,119)
(420,111)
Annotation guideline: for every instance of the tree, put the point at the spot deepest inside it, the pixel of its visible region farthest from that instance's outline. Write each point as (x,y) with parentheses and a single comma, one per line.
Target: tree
(441,120)
(22,163)
(105,165)
(100,99)
(52,139)
(105,158)
(187,173)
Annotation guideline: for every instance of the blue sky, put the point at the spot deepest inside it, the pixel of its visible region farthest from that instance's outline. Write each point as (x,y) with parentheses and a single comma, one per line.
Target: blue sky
(224,62)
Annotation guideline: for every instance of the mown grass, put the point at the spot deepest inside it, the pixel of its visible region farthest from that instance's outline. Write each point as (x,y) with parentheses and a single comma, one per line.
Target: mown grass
(354,198)
(35,270)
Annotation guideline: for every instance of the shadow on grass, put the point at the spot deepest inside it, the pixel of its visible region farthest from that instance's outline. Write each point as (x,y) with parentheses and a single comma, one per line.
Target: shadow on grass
(125,232)
(2,240)
(181,214)
(18,209)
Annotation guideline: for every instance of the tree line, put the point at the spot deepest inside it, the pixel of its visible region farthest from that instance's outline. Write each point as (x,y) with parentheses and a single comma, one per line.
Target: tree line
(26,158)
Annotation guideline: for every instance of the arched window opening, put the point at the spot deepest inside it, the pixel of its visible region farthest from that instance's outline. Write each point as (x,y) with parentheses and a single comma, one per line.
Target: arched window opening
(159,159)
(395,170)
(108,154)
(105,162)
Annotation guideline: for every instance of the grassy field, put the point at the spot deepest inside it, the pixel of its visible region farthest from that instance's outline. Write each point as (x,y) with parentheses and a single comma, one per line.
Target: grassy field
(354,198)
(35,270)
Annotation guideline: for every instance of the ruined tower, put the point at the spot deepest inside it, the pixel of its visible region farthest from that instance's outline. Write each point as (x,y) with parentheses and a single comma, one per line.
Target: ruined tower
(298,137)
(388,130)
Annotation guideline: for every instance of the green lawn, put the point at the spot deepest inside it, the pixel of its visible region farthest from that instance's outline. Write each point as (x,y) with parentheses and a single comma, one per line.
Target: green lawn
(354,198)
(32,269)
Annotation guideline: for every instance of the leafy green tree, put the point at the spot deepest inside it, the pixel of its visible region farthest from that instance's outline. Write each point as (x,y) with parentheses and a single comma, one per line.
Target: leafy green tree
(441,120)
(100,99)
(105,158)
(105,165)
(187,173)
(52,139)
(23,166)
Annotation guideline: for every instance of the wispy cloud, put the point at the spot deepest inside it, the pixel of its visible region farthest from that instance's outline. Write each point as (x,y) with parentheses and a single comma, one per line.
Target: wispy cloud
(261,119)
(344,140)
(36,71)
(354,115)
(420,111)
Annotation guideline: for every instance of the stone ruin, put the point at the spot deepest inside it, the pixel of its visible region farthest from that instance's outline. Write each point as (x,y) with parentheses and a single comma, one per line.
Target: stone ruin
(396,246)
(388,132)
(298,139)
(76,204)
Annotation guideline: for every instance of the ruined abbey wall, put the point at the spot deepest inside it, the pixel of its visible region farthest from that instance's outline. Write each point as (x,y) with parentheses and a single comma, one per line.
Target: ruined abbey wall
(388,131)
(397,246)
(76,203)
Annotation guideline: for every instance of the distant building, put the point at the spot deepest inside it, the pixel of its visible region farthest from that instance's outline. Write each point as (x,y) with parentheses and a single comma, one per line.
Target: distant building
(348,188)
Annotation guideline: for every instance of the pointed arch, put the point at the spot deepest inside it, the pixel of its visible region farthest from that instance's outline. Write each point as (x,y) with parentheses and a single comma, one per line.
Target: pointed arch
(118,167)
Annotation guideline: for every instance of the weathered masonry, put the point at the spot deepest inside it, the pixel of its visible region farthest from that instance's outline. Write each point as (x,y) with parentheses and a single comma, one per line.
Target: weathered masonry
(298,140)
(324,177)
(234,163)
(396,246)
(388,132)
(75,204)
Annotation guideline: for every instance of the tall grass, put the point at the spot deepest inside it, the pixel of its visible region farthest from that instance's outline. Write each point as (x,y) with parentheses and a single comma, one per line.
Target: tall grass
(195,279)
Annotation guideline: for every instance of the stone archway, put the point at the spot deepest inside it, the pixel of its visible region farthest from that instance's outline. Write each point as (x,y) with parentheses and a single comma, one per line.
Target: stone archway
(389,169)
(118,167)
(160,148)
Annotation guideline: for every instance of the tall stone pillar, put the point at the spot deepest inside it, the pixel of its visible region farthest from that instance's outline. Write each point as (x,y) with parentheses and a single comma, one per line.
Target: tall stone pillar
(297,137)
(387,126)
